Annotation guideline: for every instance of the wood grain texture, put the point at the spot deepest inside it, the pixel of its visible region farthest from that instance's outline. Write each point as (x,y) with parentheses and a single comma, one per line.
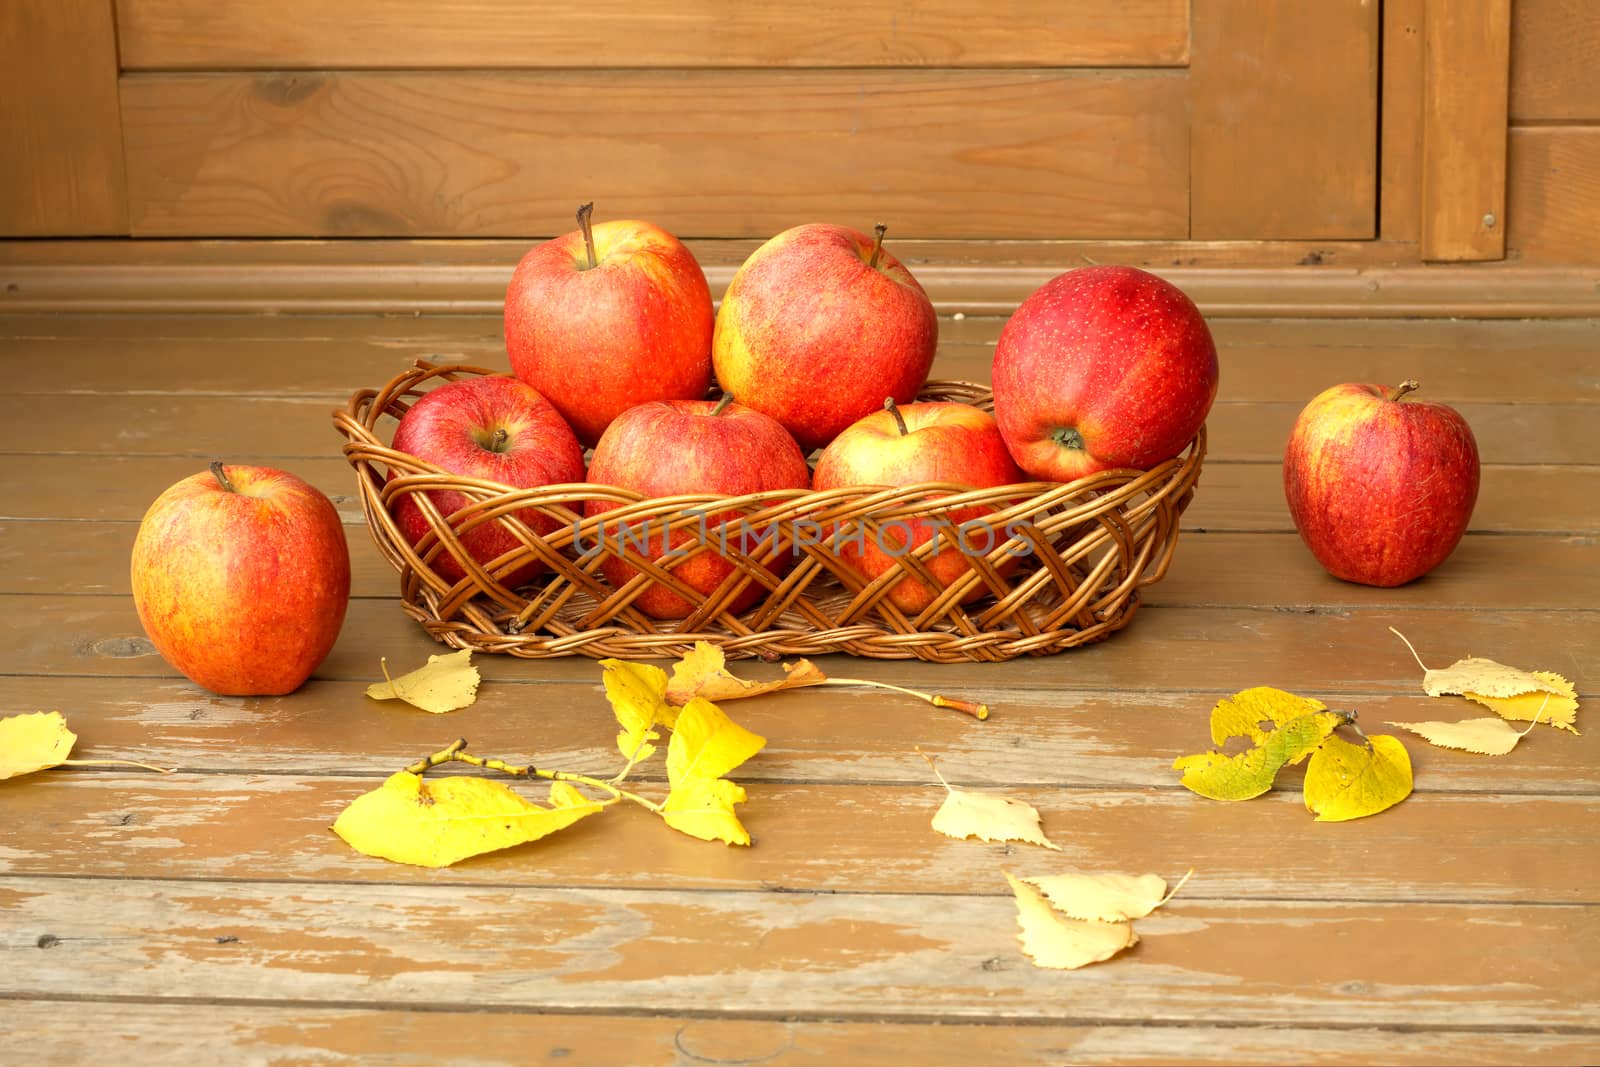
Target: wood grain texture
(844,955)
(155,1032)
(1466,70)
(59,120)
(720,153)
(1282,147)
(1554,194)
(1400,131)
(398,34)
(1555,61)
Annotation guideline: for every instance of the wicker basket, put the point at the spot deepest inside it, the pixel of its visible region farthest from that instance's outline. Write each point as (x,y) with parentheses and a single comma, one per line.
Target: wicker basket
(1061,565)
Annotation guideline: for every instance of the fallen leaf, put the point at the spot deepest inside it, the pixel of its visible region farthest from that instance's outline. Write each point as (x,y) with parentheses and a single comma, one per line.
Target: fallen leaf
(638,696)
(1559,709)
(1051,939)
(440,822)
(1348,781)
(1104,897)
(446,682)
(1297,726)
(987,817)
(1488,737)
(33,742)
(706,745)
(703,672)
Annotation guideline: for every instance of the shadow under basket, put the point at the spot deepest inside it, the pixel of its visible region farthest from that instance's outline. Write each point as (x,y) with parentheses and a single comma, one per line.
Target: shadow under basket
(1052,565)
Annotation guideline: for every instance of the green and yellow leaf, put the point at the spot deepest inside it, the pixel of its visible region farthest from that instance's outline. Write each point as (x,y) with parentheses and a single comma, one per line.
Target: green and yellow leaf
(440,822)
(1245,713)
(1252,772)
(1348,781)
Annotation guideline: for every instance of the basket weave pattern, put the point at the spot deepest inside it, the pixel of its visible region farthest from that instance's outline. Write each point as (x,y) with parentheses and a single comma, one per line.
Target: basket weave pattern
(1054,565)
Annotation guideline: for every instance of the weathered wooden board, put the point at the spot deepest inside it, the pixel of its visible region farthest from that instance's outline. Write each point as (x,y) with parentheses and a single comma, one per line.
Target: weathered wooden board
(841,954)
(943,153)
(1555,61)
(1554,193)
(1082,739)
(158,1032)
(398,34)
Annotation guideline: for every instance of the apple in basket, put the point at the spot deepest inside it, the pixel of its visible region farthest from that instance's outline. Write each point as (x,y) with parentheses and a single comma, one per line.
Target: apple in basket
(607,317)
(1380,486)
(674,447)
(241,576)
(497,429)
(929,442)
(818,326)
(1102,368)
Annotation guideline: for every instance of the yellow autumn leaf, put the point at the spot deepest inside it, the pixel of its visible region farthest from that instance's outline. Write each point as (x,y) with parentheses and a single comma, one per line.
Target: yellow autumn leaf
(33,742)
(445,683)
(1484,677)
(1348,781)
(703,672)
(1251,773)
(706,745)
(1559,709)
(1051,939)
(436,823)
(1243,714)
(989,818)
(1105,897)
(1488,737)
(638,696)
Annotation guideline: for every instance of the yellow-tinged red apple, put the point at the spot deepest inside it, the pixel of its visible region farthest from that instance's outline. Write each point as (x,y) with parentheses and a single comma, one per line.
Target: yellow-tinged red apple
(498,429)
(1380,486)
(818,326)
(241,576)
(1101,368)
(929,442)
(607,317)
(673,447)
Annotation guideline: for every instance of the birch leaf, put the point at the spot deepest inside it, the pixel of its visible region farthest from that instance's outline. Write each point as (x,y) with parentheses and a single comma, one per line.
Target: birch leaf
(706,745)
(1484,677)
(1347,781)
(1053,940)
(1104,897)
(1251,773)
(440,822)
(1559,709)
(1245,713)
(1487,737)
(445,683)
(703,673)
(638,696)
(987,817)
(33,742)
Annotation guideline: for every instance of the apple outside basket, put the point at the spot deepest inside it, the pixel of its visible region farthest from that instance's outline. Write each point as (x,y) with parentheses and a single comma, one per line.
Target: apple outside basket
(1083,552)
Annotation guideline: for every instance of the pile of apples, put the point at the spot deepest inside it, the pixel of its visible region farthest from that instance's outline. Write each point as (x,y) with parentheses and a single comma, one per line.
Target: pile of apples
(822,342)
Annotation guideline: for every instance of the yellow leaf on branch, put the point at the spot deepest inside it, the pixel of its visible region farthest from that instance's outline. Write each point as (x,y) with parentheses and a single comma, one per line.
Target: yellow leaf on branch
(440,822)
(1105,897)
(33,742)
(638,696)
(1348,781)
(1053,940)
(445,683)
(1285,729)
(706,745)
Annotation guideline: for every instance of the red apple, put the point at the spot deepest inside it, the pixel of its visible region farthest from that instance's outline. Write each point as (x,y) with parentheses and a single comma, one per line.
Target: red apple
(241,576)
(818,326)
(607,317)
(1380,486)
(931,442)
(494,428)
(1101,368)
(667,448)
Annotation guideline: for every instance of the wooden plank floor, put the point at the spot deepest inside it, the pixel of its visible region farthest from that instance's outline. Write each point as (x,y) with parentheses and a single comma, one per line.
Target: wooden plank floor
(210,916)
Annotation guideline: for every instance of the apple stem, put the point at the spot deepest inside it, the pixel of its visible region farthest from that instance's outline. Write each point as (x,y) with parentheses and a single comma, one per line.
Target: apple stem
(221,476)
(722,405)
(498,442)
(1404,387)
(899,419)
(588,231)
(877,245)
